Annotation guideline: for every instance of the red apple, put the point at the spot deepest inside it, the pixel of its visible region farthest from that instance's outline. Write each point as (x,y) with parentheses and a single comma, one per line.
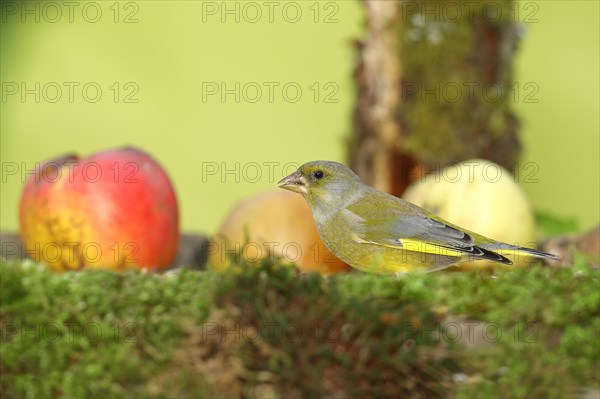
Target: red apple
(116,209)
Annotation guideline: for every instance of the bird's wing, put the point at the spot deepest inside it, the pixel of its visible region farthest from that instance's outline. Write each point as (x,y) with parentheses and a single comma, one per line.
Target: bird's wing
(381,219)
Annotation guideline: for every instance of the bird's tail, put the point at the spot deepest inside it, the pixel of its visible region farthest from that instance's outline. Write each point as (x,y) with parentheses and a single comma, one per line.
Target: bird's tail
(517,252)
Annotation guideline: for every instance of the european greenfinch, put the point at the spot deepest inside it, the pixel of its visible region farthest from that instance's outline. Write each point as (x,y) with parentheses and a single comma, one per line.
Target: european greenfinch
(374,231)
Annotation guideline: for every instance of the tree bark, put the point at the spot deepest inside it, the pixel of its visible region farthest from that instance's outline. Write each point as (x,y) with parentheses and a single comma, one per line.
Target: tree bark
(435,86)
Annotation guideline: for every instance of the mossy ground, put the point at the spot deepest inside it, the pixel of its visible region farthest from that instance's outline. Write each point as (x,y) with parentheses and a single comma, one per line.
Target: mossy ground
(268,332)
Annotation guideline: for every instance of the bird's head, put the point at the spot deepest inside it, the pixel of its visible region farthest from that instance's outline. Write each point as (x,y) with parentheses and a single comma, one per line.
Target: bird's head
(321,182)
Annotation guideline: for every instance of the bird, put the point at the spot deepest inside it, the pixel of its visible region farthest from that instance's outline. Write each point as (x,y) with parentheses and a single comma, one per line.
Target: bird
(373,231)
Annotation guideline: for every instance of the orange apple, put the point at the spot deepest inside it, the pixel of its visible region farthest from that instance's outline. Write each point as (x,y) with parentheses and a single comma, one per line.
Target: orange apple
(275,223)
(116,209)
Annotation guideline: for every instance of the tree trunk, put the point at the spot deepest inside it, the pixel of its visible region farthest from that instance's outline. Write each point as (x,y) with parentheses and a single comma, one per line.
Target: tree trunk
(434,87)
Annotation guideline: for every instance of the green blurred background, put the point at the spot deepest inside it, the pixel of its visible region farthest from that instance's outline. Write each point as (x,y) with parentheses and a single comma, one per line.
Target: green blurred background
(155,60)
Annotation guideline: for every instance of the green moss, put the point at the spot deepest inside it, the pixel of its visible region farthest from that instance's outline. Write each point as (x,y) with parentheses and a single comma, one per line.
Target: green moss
(545,316)
(457,83)
(93,333)
(267,331)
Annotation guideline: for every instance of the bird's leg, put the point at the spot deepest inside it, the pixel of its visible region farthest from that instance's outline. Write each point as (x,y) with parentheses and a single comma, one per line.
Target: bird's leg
(400,275)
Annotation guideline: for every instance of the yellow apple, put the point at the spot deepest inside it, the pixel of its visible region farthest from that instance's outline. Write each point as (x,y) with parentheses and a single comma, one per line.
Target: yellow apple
(480,196)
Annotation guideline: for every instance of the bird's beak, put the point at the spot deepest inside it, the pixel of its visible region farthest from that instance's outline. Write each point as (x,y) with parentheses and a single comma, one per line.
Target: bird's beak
(294,182)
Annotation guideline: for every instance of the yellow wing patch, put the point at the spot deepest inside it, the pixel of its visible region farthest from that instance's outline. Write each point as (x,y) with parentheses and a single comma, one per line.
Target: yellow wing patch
(408,244)
(428,248)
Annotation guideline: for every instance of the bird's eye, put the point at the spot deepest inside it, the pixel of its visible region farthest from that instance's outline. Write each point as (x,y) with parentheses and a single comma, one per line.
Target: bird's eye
(318,174)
